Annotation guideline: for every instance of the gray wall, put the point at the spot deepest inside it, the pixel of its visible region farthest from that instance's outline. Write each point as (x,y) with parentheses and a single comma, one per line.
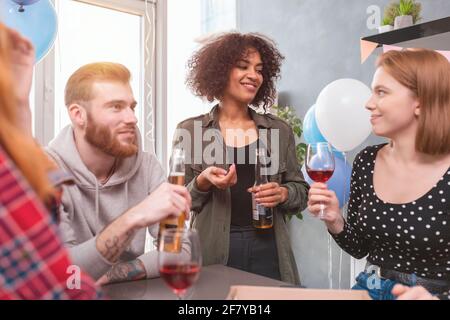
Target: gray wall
(320,40)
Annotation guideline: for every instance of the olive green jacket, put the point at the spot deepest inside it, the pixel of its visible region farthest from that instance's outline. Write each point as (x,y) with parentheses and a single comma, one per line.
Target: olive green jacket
(212,210)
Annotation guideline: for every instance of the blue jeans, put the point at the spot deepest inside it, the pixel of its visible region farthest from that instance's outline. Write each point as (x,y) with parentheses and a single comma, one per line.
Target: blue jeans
(378,289)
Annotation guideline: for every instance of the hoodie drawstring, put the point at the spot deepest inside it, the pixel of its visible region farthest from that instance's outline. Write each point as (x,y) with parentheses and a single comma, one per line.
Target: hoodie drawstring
(126,195)
(97,213)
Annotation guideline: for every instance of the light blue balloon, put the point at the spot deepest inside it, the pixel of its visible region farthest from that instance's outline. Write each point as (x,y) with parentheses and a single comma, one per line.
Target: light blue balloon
(25,2)
(339,182)
(38,22)
(338,154)
(311,131)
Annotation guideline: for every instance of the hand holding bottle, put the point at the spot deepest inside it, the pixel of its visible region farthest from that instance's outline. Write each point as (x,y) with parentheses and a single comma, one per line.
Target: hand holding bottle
(270,194)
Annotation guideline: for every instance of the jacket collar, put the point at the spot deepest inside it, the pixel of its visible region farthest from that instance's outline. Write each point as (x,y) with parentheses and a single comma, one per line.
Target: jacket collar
(211,119)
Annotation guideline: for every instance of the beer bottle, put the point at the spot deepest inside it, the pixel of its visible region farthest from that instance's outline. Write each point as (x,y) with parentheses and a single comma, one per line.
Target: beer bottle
(262,216)
(176,176)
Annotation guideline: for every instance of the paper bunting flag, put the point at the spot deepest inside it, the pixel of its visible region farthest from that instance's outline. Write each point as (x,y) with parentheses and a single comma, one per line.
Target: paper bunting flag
(367,47)
(445,54)
(387,48)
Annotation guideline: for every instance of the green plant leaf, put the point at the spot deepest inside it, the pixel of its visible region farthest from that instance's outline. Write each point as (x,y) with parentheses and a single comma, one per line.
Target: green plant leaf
(299,216)
(288,114)
(400,8)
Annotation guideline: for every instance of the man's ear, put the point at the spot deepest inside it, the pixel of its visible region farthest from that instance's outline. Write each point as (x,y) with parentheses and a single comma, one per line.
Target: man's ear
(78,114)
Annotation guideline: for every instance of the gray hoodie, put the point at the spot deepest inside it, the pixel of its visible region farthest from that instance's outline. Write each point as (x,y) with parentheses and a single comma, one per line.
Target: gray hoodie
(88,207)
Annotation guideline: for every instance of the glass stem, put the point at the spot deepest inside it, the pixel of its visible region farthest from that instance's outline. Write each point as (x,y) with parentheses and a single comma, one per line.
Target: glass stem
(322,211)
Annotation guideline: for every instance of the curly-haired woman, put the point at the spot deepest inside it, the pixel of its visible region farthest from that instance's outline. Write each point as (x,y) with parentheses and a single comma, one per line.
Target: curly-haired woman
(239,71)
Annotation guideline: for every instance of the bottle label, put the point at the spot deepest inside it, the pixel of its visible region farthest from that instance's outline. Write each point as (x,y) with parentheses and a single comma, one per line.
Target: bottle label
(260,211)
(255,214)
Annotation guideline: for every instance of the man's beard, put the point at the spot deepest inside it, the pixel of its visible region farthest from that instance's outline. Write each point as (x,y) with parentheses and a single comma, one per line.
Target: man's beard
(101,137)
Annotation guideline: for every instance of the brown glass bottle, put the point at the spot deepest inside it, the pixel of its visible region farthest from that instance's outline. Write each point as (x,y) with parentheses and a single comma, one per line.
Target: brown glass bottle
(176,176)
(262,217)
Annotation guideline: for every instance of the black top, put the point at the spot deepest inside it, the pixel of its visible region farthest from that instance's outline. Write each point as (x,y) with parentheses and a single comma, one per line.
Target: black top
(241,199)
(411,237)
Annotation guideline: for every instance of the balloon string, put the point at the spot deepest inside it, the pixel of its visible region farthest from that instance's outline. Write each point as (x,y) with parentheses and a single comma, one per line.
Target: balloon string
(343,214)
(330,263)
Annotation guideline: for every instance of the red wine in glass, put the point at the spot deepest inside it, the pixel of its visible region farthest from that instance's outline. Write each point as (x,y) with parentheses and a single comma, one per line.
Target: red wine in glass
(180,277)
(179,259)
(320,175)
(320,165)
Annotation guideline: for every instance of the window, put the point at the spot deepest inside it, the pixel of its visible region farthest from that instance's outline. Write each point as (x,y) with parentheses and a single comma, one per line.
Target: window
(90,31)
(187,23)
(104,35)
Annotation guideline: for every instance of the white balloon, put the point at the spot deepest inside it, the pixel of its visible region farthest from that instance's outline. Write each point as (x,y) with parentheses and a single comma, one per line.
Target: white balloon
(341,114)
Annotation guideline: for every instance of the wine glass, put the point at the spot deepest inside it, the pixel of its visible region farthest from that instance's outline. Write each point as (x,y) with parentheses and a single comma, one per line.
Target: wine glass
(179,259)
(320,165)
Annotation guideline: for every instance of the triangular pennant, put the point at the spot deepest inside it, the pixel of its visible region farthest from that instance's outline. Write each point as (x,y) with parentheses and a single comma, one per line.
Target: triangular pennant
(445,54)
(367,47)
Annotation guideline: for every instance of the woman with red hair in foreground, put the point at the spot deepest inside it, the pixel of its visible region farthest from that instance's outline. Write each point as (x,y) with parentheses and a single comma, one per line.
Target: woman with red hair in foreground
(33,261)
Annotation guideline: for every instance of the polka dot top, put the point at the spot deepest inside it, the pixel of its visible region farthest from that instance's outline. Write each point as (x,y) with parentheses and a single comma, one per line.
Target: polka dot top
(411,237)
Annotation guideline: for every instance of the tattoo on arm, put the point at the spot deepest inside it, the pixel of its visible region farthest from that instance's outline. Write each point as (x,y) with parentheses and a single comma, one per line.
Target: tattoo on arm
(127,271)
(112,247)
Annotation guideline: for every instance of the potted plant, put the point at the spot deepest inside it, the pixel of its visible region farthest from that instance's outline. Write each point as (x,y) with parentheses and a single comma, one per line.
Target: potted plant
(288,114)
(404,13)
(386,25)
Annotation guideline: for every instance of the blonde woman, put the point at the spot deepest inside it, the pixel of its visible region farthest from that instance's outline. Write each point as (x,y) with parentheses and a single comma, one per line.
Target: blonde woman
(399,209)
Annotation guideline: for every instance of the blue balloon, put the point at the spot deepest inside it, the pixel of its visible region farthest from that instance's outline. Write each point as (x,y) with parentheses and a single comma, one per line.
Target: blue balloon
(339,182)
(38,22)
(25,2)
(338,154)
(311,131)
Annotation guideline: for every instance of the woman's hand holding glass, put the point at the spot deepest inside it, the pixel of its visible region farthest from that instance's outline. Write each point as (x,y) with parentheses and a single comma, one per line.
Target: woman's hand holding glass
(320,196)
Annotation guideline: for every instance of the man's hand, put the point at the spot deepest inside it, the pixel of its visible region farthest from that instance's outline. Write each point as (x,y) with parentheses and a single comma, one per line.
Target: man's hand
(167,201)
(124,271)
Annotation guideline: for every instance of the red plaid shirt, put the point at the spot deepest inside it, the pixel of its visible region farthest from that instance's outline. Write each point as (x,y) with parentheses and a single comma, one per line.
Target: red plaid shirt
(33,261)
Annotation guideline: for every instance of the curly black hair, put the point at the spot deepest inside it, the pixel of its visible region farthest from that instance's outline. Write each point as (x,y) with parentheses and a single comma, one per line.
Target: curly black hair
(209,68)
